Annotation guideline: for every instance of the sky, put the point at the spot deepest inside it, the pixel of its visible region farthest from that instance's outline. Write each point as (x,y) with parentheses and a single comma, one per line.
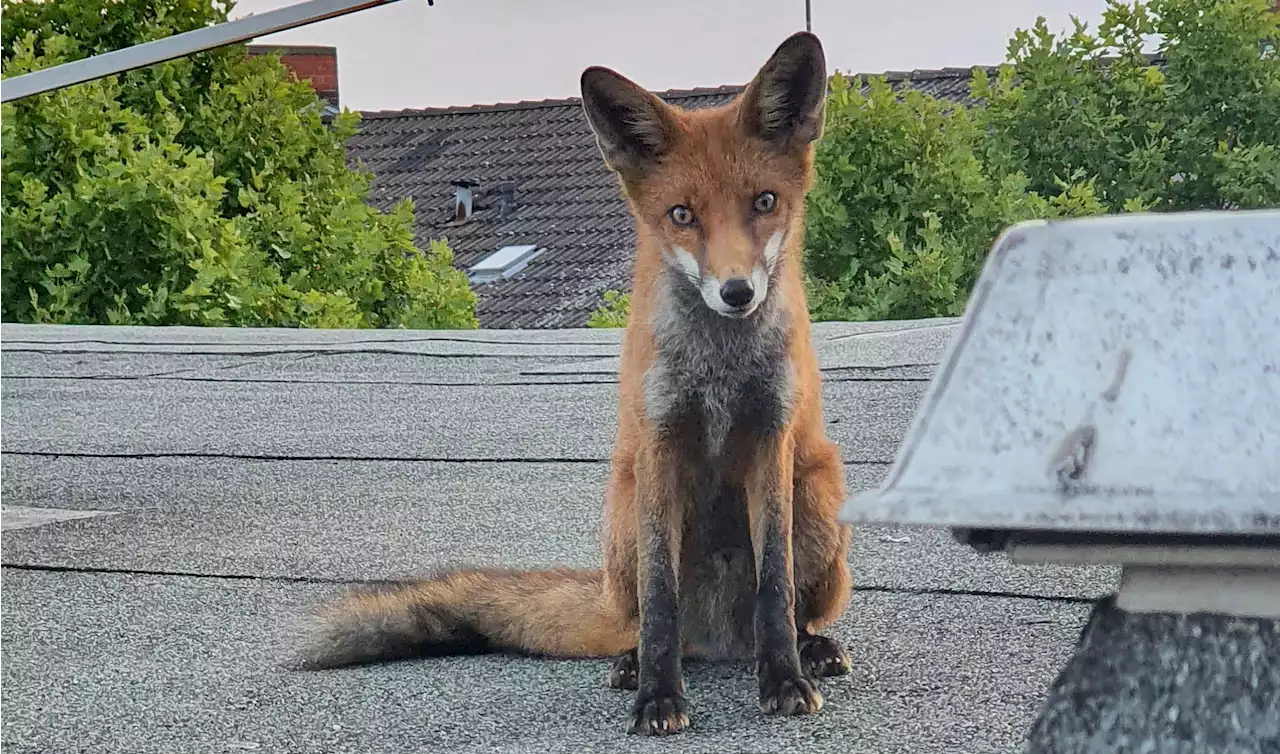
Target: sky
(469,52)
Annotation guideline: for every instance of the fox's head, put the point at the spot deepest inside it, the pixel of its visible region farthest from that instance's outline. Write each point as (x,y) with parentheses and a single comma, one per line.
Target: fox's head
(721,190)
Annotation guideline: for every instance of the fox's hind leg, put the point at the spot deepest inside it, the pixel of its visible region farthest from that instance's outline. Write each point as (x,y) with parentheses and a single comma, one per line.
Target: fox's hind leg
(821,656)
(625,673)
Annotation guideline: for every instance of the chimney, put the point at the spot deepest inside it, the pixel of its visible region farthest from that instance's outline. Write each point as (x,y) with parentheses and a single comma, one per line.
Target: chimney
(316,65)
(506,200)
(463,199)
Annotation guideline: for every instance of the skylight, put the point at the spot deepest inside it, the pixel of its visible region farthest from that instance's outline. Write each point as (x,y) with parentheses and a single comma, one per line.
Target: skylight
(503,263)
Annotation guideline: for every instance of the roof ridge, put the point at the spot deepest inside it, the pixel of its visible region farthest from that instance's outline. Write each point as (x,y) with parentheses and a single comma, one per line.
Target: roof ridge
(926,74)
(918,74)
(498,107)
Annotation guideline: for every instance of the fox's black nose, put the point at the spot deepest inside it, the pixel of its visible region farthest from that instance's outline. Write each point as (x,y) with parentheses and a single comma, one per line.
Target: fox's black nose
(737,292)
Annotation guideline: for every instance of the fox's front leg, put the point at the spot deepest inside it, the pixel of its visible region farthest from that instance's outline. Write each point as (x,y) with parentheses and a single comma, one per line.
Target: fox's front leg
(784,687)
(661,488)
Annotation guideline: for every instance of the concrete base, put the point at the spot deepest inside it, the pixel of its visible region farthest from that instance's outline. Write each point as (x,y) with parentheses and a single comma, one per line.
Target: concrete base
(1166,684)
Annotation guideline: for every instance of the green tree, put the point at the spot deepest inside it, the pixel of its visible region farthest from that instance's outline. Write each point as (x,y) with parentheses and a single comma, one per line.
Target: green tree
(904,208)
(1191,126)
(911,191)
(207,191)
(613,312)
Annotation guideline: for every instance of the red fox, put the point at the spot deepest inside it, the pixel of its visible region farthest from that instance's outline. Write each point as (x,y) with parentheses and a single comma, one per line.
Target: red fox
(720,533)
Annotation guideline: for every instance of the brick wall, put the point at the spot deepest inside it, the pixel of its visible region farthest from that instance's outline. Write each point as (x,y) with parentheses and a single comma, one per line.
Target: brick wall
(318,65)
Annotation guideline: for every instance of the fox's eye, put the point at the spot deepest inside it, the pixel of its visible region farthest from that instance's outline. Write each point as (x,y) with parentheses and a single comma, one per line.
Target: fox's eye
(765,203)
(681,215)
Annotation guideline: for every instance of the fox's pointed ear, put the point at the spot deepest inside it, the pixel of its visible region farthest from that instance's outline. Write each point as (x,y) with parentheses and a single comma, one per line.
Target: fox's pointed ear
(785,104)
(632,126)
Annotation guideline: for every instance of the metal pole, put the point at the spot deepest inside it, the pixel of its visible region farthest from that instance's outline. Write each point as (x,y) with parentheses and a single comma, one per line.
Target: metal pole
(180,45)
(808,19)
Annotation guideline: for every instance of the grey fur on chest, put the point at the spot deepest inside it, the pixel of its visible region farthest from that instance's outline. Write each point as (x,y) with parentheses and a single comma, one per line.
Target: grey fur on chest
(718,373)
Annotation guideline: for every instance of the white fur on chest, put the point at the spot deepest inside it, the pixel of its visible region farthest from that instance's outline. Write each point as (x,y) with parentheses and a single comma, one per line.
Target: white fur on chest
(722,372)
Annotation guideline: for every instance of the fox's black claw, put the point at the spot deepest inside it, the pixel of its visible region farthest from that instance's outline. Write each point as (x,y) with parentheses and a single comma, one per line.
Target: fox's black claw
(658,715)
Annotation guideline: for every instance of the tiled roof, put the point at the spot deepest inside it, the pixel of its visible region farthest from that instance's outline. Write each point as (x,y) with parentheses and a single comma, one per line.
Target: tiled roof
(566,201)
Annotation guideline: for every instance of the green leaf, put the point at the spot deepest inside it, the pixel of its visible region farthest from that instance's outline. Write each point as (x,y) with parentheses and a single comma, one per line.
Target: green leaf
(911,192)
(201,191)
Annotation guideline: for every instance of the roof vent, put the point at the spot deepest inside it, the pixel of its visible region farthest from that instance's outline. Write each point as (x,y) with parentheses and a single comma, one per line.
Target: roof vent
(463,199)
(503,263)
(506,200)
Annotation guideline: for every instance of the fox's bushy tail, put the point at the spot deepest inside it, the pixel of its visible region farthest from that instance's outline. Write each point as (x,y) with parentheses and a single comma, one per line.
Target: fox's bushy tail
(556,613)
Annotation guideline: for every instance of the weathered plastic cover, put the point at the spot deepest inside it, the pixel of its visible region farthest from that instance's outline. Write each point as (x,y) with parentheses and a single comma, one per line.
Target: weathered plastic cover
(1112,374)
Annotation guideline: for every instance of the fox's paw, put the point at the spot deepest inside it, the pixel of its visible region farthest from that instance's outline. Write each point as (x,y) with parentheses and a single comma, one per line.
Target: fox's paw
(625,673)
(784,693)
(658,714)
(821,657)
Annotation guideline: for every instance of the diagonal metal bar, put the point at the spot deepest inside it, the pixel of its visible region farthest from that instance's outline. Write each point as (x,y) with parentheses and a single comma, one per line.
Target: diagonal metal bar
(180,45)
